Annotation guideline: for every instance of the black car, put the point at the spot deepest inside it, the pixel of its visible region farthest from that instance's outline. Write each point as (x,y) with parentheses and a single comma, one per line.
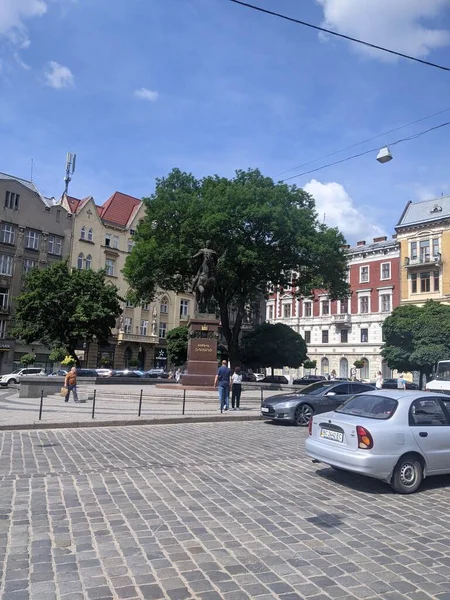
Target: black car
(248,376)
(322,396)
(87,373)
(308,379)
(274,379)
(127,373)
(391,384)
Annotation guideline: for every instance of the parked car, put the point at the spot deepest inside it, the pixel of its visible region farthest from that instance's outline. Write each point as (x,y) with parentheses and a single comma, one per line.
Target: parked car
(248,376)
(128,373)
(391,384)
(259,376)
(393,435)
(58,373)
(157,374)
(319,397)
(274,379)
(86,373)
(15,376)
(308,379)
(104,372)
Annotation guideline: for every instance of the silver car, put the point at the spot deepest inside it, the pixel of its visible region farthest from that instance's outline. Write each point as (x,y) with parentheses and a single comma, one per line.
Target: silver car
(397,436)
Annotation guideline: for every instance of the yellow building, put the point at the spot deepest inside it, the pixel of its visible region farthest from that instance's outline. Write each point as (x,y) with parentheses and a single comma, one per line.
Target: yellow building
(102,238)
(424,235)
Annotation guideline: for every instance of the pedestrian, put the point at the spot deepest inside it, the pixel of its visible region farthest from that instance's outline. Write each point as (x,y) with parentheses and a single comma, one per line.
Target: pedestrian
(177,375)
(222,380)
(70,383)
(379,381)
(401,382)
(333,374)
(236,388)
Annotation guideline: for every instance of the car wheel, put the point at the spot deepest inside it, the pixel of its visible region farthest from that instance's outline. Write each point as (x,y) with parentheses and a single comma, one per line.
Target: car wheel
(12,381)
(408,475)
(303,415)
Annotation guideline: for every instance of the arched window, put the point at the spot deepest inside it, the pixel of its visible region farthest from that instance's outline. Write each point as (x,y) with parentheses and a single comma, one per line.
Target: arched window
(88,261)
(364,372)
(90,235)
(80,260)
(83,233)
(343,368)
(324,366)
(164,305)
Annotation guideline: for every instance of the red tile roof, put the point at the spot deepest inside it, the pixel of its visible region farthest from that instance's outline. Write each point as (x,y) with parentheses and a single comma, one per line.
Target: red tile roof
(73,203)
(119,208)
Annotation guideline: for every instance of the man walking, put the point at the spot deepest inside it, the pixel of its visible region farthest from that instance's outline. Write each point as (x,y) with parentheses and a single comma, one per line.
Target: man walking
(71,384)
(223,380)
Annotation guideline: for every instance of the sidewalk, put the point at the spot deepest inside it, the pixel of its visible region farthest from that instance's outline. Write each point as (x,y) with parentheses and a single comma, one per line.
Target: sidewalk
(119,405)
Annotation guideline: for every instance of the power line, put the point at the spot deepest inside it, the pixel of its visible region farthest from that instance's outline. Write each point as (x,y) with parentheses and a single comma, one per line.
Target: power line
(338,162)
(341,35)
(363,142)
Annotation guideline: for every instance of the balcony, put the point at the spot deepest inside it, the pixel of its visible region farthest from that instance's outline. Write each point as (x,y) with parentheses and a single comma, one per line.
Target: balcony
(140,339)
(343,320)
(423,261)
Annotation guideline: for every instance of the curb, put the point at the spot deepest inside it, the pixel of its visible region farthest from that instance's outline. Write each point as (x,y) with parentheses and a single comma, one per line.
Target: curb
(133,422)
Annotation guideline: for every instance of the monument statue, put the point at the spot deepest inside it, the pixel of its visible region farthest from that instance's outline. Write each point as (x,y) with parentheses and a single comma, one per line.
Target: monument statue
(205,279)
(154,315)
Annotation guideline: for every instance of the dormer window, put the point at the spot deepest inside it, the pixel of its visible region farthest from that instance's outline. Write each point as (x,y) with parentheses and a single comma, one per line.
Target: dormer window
(436,209)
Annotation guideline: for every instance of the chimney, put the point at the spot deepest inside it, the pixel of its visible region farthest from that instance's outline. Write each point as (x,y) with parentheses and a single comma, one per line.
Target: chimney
(383,238)
(361,243)
(346,246)
(394,236)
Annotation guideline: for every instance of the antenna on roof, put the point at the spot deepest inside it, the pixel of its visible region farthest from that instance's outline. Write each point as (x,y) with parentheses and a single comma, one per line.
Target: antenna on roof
(32,165)
(70,170)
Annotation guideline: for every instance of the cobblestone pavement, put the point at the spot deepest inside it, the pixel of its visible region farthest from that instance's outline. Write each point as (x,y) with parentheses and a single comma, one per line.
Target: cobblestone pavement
(210,511)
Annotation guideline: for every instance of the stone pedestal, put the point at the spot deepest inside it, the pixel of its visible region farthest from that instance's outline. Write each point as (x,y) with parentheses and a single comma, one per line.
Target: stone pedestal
(202,351)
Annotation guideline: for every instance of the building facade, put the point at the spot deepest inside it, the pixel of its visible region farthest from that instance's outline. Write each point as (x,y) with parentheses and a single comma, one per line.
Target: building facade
(339,332)
(34,233)
(102,239)
(424,236)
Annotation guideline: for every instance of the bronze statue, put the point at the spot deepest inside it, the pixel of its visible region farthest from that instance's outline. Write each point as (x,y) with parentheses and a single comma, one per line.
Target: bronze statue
(205,280)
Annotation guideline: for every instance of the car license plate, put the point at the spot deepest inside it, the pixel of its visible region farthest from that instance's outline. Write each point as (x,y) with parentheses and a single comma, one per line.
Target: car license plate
(264,410)
(332,435)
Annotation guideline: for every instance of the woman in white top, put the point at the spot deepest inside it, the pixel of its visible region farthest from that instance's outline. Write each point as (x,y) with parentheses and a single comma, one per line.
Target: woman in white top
(379,381)
(236,388)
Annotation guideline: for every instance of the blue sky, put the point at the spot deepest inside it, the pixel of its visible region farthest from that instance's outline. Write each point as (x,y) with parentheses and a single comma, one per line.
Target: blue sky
(136,87)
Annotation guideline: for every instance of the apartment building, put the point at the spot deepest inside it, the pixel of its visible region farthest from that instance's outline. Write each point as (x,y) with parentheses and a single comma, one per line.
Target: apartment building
(102,239)
(424,236)
(339,332)
(34,233)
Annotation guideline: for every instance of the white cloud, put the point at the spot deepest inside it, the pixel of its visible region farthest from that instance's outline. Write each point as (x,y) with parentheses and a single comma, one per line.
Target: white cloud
(145,94)
(333,201)
(395,24)
(14,14)
(57,76)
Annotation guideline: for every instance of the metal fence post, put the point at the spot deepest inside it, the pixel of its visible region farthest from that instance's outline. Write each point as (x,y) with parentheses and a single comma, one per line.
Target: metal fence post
(184,400)
(41,404)
(262,396)
(140,404)
(93,404)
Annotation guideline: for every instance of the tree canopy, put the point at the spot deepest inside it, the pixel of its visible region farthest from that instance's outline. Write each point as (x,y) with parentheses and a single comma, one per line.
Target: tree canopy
(275,346)
(61,307)
(177,345)
(417,337)
(261,231)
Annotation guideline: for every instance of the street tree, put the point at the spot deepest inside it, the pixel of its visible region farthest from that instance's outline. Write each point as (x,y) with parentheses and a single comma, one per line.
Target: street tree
(262,233)
(274,346)
(177,345)
(28,359)
(60,308)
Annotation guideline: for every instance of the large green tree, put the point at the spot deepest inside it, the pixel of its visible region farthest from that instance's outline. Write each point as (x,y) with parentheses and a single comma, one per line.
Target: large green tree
(177,345)
(274,346)
(61,307)
(261,231)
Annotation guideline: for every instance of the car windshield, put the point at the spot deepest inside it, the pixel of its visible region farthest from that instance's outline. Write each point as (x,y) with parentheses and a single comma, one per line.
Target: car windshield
(371,407)
(16,372)
(315,389)
(443,371)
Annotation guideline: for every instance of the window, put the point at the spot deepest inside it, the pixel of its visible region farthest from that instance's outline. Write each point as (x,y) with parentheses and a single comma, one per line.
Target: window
(413,250)
(436,281)
(32,240)
(4,298)
(164,306)
(286,311)
(7,234)
(427,412)
(184,309)
(127,324)
(363,274)
(325,336)
(130,245)
(308,309)
(90,235)
(425,284)
(270,313)
(2,329)
(162,330)
(307,337)
(6,264)
(386,271)
(344,306)
(54,245)
(12,200)
(324,370)
(424,248)
(129,303)
(109,266)
(413,283)
(370,407)
(88,262)
(385,302)
(28,264)
(364,373)
(107,239)
(364,305)
(325,307)
(144,327)
(80,261)
(344,336)
(58,216)
(435,242)
(83,233)
(364,336)
(115,241)
(145,306)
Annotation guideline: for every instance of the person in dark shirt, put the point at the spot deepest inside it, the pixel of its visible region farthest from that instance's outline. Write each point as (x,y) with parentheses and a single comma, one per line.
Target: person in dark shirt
(222,380)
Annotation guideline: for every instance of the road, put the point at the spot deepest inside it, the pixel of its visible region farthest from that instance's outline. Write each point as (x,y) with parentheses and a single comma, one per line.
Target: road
(210,511)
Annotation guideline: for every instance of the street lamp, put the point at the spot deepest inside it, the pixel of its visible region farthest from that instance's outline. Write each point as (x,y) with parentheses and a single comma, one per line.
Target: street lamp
(384,155)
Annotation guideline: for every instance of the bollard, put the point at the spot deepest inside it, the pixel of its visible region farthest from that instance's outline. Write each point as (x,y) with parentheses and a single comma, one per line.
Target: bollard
(140,404)
(184,400)
(93,404)
(41,405)
(262,396)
